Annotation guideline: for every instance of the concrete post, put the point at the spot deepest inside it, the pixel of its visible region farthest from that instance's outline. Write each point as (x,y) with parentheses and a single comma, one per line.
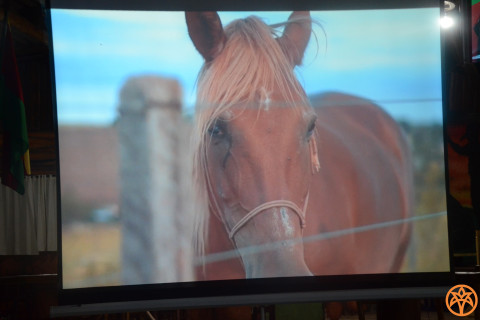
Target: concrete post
(150,127)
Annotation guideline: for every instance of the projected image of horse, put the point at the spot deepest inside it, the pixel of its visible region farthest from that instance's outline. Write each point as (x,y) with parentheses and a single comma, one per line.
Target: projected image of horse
(276,174)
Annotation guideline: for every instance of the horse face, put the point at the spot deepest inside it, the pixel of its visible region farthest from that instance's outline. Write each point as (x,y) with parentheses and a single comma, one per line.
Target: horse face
(255,156)
(257,153)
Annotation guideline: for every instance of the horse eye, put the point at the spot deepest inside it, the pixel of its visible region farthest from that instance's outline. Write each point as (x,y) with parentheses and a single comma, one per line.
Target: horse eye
(311,129)
(216,131)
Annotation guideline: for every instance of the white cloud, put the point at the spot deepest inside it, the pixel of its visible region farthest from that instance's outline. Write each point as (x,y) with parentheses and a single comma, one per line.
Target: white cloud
(365,39)
(86,98)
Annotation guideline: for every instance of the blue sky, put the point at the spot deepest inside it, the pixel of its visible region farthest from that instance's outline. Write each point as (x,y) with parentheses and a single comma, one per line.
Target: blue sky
(391,57)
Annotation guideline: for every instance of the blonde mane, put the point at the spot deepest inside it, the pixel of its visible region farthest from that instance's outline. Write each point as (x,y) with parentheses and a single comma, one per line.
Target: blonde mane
(250,67)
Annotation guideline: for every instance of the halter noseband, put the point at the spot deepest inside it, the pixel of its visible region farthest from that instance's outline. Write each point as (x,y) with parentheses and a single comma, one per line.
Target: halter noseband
(268,205)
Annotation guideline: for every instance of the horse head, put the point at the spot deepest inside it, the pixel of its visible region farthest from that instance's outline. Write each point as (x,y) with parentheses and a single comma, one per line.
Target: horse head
(255,149)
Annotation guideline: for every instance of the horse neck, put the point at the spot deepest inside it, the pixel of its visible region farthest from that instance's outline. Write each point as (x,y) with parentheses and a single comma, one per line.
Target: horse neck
(217,242)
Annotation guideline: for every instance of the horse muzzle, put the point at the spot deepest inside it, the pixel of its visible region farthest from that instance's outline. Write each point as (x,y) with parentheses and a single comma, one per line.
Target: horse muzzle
(278,250)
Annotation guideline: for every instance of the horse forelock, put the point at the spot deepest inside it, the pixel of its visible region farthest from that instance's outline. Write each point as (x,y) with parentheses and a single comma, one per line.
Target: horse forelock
(250,68)
(251,63)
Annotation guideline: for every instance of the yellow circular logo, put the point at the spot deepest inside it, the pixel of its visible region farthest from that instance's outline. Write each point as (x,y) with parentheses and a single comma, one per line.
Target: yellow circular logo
(461,300)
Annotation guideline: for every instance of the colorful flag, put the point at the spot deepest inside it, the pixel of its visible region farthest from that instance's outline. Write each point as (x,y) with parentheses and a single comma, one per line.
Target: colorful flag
(16,159)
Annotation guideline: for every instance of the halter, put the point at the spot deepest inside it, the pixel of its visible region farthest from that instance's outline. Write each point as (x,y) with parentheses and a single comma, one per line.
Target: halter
(281,203)
(268,205)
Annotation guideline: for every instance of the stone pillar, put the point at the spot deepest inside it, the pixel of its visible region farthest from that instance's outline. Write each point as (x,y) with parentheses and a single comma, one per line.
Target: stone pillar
(150,128)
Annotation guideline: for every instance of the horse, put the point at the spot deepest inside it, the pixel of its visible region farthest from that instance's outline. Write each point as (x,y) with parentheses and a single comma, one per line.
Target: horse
(273,171)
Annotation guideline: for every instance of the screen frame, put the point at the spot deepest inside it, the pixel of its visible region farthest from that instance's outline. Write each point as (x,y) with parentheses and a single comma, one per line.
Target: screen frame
(243,291)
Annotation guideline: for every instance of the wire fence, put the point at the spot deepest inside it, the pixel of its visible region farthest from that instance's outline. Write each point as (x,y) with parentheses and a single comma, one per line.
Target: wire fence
(226,255)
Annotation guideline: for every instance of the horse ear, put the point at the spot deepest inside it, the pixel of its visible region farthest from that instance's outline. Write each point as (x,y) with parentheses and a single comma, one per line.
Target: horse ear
(206,31)
(296,35)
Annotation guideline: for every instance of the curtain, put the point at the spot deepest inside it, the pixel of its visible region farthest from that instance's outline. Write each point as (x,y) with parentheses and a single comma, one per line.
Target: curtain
(28,223)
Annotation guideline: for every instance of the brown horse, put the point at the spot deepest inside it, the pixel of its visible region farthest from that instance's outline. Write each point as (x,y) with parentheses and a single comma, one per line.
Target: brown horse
(275,173)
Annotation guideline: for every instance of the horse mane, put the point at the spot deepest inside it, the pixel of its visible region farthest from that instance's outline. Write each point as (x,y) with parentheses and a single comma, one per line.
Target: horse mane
(252,49)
